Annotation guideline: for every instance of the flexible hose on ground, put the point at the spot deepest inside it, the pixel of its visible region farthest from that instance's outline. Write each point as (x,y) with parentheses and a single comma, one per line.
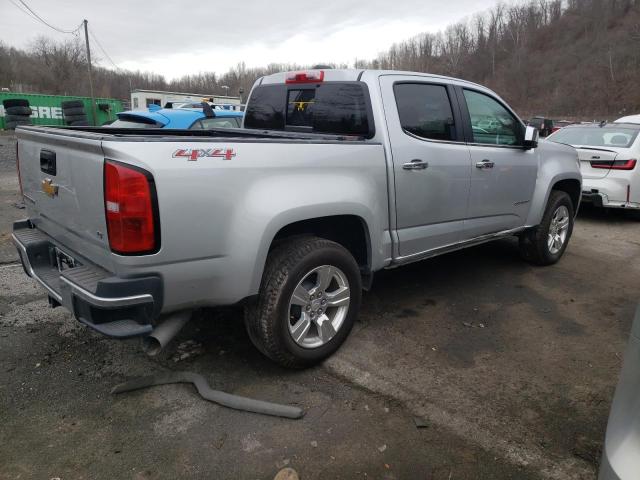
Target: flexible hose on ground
(225,399)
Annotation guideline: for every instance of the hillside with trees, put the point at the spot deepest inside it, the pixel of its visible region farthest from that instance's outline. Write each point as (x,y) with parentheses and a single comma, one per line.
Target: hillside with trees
(571,58)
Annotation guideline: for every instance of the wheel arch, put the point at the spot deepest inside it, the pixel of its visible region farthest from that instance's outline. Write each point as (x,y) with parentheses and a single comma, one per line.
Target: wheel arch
(566,182)
(349,230)
(573,188)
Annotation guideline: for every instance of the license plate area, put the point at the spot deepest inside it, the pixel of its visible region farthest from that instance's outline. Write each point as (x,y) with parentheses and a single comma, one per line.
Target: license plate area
(61,260)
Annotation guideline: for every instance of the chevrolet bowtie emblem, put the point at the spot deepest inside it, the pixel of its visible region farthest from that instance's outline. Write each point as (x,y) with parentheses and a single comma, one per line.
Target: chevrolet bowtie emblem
(49,187)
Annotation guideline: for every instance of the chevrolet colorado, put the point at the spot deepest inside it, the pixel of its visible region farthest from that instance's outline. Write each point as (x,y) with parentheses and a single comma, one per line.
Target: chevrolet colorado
(336,174)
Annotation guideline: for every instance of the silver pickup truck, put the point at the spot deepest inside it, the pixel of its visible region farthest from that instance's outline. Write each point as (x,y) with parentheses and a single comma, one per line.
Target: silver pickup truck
(336,174)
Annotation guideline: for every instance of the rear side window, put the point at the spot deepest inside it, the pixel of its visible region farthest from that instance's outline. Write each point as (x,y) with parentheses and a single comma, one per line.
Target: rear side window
(425,110)
(339,108)
(266,108)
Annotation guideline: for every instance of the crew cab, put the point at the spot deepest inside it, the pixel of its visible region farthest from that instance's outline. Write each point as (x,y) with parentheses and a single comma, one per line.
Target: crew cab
(335,175)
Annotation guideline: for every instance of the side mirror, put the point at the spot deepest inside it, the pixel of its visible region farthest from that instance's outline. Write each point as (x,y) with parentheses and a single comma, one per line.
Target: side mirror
(530,138)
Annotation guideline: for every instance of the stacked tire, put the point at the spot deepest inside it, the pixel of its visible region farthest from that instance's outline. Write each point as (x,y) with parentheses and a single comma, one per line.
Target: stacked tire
(74,114)
(17,112)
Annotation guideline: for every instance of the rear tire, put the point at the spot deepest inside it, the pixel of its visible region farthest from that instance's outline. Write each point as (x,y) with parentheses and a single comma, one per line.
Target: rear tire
(13,125)
(70,119)
(19,111)
(16,118)
(297,265)
(72,104)
(546,243)
(67,112)
(15,102)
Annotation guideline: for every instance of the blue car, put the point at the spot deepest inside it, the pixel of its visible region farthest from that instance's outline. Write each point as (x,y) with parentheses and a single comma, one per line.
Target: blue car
(202,118)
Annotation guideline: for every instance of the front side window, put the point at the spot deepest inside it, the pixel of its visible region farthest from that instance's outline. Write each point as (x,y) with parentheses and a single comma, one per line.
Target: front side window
(425,110)
(491,123)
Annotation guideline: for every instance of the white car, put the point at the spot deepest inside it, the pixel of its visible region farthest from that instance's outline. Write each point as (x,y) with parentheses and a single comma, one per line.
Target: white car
(629,119)
(609,155)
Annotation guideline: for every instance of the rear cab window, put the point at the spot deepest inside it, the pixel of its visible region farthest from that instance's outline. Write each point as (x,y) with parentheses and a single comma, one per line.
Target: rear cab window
(338,108)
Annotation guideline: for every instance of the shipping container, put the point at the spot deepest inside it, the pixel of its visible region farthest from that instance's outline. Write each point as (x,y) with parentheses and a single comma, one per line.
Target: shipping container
(47,109)
(143,99)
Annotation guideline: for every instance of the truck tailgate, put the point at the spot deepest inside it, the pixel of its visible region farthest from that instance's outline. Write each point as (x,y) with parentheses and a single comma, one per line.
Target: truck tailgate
(62,182)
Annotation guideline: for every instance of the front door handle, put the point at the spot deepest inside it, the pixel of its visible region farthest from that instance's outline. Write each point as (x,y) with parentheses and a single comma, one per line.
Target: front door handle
(485,164)
(415,164)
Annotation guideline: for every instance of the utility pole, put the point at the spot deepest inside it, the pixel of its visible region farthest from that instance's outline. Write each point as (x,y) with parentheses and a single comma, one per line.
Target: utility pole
(93,100)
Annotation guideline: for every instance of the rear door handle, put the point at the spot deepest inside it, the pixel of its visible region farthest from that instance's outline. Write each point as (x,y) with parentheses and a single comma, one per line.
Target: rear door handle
(415,164)
(485,164)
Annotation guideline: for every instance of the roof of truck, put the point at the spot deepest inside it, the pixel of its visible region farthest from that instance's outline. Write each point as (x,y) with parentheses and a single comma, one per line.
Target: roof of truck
(354,74)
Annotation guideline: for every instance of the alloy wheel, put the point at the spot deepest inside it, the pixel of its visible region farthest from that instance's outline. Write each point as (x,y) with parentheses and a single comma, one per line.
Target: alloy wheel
(318,306)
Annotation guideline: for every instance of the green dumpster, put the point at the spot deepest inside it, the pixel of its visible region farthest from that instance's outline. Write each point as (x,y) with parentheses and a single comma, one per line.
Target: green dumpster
(47,109)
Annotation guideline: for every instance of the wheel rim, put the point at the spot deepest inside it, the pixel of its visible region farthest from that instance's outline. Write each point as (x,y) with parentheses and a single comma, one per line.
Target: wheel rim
(558,229)
(318,306)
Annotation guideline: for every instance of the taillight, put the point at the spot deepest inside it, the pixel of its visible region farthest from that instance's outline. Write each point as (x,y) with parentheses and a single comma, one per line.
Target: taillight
(616,164)
(131,209)
(18,168)
(308,76)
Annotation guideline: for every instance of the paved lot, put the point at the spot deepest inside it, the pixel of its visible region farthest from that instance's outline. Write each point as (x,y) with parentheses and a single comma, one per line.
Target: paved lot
(510,367)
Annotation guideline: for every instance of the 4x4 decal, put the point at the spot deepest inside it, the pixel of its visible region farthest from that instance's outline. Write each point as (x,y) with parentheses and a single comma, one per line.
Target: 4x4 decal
(193,154)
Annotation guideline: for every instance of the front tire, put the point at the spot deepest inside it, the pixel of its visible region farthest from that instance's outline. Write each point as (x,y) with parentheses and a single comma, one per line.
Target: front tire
(546,243)
(309,299)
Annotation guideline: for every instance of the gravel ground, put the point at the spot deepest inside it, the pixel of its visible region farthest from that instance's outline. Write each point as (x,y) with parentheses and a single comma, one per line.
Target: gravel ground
(508,369)
(9,197)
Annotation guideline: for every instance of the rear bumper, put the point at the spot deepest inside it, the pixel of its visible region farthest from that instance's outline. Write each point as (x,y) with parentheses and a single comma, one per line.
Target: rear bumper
(601,199)
(616,190)
(117,307)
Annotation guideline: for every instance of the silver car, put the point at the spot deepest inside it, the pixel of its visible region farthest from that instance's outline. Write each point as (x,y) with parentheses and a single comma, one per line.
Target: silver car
(621,456)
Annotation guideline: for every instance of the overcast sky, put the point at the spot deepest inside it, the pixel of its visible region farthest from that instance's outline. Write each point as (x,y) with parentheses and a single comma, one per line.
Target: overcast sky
(175,38)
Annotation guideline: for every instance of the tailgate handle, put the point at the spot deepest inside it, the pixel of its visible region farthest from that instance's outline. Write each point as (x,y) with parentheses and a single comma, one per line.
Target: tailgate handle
(48,162)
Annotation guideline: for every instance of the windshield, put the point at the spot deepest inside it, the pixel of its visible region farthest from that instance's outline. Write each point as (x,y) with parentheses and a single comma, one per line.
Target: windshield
(594,136)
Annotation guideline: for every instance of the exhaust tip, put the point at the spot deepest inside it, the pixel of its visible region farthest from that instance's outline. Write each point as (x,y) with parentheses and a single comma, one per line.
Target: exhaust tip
(165,332)
(151,346)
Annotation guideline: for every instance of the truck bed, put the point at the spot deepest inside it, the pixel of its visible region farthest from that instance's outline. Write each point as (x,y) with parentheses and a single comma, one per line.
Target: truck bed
(167,134)
(216,215)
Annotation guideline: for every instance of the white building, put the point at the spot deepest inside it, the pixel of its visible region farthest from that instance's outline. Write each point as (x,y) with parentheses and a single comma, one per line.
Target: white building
(142,99)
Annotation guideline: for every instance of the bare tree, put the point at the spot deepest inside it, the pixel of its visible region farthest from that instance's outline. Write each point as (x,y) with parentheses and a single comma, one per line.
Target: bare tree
(557,57)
